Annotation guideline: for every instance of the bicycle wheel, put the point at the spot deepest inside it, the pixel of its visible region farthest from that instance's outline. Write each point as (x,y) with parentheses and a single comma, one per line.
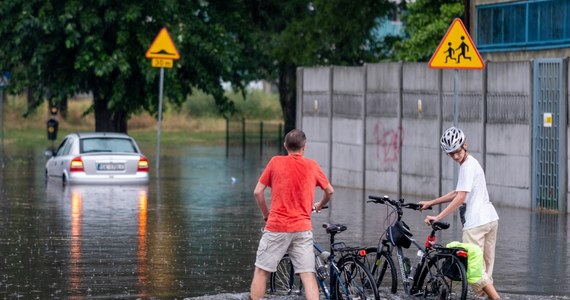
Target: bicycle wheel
(384,271)
(356,281)
(284,281)
(443,278)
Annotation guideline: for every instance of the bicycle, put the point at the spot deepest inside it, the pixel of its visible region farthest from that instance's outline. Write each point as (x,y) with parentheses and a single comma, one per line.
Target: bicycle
(348,278)
(439,272)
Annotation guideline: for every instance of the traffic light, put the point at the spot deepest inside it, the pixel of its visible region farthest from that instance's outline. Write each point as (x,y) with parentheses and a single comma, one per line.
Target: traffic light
(53,109)
(52,125)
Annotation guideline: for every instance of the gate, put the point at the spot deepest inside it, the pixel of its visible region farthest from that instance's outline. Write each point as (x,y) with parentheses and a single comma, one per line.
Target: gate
(549,138)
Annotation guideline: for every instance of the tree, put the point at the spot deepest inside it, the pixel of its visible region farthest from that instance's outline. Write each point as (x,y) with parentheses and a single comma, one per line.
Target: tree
(284,35)
(65,47)
(425,24)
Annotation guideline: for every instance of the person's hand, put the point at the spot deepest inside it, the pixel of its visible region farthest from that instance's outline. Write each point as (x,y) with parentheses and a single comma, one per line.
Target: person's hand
(424,204)
(429,219)
(317,207)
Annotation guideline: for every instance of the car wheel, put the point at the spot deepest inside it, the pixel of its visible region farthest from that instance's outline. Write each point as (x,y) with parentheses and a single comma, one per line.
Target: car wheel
(64,180)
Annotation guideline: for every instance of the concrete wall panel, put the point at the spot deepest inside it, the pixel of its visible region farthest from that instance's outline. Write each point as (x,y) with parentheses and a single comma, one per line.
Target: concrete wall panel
(419,186)
(317,131)
(509,196)
(348,79)
(316,79)
(387,182)
(348,131)
(383,77)
(508,170)
(347,168)
(509,139)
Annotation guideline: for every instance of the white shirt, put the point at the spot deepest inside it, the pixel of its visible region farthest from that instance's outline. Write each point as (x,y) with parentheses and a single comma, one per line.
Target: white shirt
(471,179)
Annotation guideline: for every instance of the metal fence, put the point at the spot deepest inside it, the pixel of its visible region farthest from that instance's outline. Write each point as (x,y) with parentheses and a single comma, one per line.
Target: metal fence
(549,108)
(253,138)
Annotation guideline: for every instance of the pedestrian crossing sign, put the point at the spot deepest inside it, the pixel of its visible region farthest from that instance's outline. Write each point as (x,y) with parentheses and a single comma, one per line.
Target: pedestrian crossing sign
(456,50)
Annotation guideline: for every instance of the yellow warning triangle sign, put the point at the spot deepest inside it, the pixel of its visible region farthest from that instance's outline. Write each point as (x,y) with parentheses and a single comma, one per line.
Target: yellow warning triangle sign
(456,50)
(162,47)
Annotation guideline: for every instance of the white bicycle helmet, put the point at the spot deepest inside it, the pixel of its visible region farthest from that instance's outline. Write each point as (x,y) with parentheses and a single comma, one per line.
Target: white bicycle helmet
(452,139)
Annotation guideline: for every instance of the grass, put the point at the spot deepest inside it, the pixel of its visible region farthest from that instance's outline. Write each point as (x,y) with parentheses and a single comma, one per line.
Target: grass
(196,122)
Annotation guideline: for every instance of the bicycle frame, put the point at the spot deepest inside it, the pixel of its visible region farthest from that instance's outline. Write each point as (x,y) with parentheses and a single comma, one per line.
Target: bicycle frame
(408,281)
(348,267)
(333,270)
(330,281)
(333,273)
(432,256)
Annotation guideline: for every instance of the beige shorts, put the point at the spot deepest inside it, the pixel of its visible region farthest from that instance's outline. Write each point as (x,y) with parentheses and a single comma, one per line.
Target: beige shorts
(299,246)
(485,236)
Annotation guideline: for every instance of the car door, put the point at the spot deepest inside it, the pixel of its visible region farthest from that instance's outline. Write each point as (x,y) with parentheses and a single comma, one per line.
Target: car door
(58,163)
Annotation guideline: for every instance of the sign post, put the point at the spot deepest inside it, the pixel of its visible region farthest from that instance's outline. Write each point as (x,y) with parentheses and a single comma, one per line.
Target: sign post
(162,52)
(4,79)
(456,51)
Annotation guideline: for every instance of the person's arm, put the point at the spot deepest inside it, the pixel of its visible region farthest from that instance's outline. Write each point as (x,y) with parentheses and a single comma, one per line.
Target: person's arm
(443,199)
(327,196)
(455,204)
(259,195)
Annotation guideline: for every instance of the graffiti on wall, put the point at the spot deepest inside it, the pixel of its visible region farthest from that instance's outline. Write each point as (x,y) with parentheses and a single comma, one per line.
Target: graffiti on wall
(388,143)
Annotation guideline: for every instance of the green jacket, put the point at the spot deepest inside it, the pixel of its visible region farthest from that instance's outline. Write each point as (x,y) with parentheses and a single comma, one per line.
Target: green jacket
(474,260)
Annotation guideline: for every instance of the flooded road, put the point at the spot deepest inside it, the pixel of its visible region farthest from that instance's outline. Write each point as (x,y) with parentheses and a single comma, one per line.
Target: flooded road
(193,230)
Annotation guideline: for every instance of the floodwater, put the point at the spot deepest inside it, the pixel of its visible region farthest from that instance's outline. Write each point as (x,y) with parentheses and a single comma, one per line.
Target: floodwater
(192,233)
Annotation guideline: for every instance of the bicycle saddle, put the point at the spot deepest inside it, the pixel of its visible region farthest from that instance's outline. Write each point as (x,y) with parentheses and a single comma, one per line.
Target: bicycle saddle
(440,225)
(334,228)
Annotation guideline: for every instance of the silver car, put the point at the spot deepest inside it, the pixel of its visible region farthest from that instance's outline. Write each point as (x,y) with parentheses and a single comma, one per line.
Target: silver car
(98,157)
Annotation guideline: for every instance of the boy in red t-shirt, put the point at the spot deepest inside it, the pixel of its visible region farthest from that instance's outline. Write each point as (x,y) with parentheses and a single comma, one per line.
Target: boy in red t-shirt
(292,180)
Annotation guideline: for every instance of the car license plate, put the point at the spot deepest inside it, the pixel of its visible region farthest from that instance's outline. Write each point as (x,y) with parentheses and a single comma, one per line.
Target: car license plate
(110,167)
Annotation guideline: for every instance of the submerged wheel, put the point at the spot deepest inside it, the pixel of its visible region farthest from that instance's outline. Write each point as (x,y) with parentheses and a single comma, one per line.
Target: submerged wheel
(384,271)
(356,281)
(443,278)
(284,281)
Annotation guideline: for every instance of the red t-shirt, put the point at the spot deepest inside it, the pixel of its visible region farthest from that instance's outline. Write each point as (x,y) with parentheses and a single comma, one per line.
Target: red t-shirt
(292,180)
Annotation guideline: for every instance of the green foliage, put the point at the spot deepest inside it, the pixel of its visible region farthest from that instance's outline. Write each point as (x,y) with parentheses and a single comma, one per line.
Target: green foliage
(286,34)
(257,105)
(425,23)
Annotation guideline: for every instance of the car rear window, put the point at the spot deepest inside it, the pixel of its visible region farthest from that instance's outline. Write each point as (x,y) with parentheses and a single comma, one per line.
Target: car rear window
(107,145)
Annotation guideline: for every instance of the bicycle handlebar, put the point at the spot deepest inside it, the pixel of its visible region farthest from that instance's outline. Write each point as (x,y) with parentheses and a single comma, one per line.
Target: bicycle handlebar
(395,203)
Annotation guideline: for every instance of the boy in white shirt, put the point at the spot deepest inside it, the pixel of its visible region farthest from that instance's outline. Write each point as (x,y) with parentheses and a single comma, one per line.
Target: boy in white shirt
(481,218)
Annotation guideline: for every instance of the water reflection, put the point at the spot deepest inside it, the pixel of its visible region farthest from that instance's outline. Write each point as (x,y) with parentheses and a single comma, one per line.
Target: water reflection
(548,252)
(75,256)
(101,217)
(194,231)
(142,248)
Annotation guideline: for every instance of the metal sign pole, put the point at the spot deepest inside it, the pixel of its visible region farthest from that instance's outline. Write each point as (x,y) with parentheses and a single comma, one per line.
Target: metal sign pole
(3,82)
(1,124)
(162,52)
(1,115)
(159,120)
(455,123)
(455,116)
